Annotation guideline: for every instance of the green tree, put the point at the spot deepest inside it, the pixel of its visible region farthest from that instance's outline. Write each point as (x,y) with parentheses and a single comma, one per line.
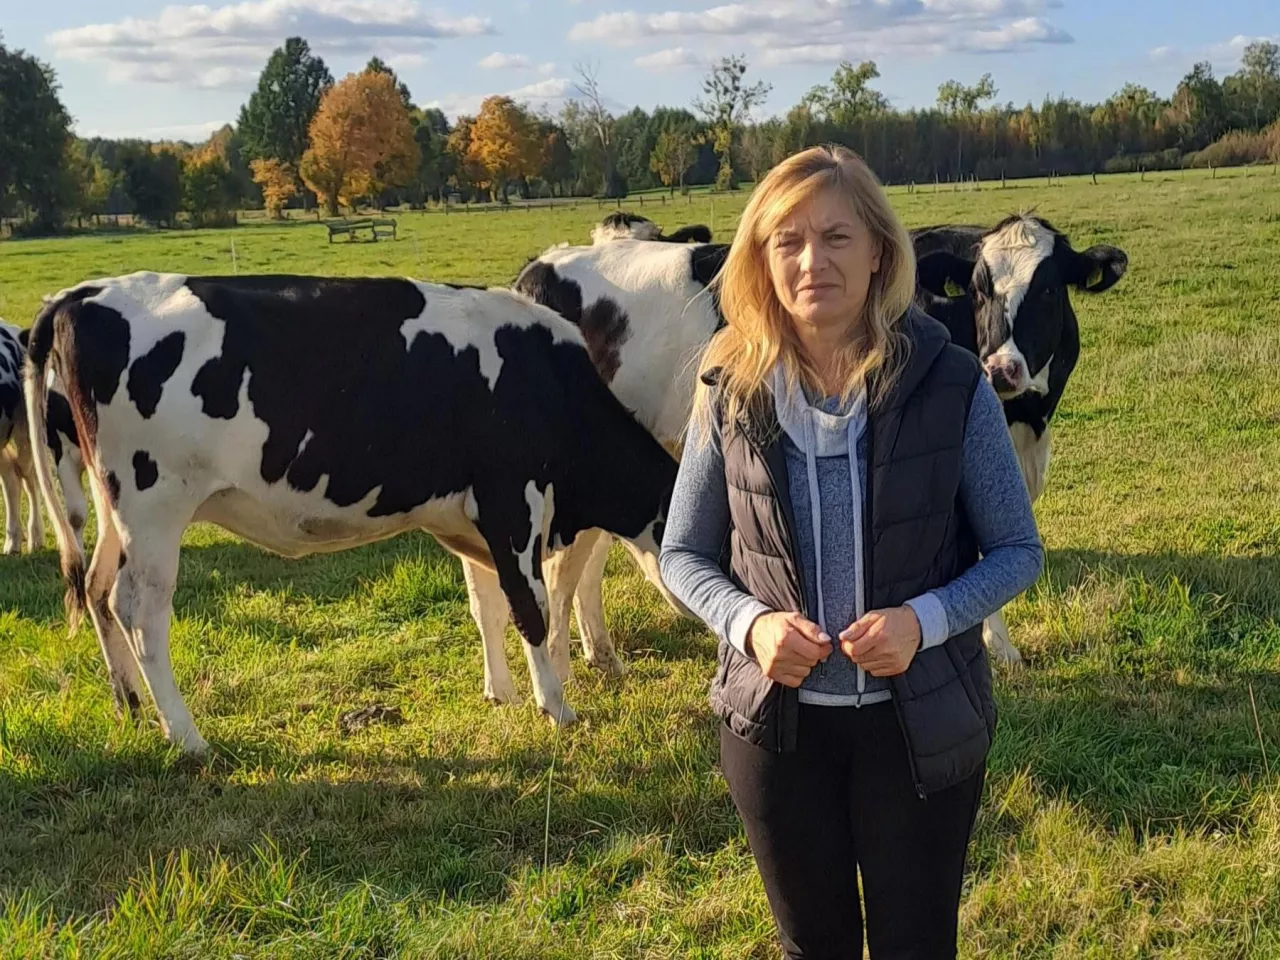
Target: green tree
(34,140)
(960,103)
(1198,107)
(152,182)
(208,189)
(378,65)
(726,103)
(274,122)
(672,156)
(848,97)
(435,163)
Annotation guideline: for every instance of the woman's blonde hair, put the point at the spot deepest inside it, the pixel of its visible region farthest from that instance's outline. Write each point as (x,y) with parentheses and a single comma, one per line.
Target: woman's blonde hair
(759,333)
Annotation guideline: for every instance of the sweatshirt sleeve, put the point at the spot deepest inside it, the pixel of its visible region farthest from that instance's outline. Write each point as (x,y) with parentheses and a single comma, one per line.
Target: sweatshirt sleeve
(994,497)
(695,533)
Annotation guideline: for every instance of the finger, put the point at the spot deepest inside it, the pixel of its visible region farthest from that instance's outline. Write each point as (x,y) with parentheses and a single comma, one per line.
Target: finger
(869,643)
(855,630)
(810,631)
(804,649)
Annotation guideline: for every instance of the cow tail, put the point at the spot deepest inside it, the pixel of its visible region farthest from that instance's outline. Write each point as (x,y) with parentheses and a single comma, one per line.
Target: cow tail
(69,552)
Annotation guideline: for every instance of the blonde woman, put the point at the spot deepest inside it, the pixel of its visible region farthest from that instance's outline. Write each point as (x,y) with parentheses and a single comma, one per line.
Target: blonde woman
(848,511)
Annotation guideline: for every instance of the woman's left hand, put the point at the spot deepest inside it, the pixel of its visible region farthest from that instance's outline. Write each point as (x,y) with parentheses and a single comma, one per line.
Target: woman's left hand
(883,642)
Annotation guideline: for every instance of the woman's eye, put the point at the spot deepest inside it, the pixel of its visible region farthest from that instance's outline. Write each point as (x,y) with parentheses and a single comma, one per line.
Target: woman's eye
(837,237)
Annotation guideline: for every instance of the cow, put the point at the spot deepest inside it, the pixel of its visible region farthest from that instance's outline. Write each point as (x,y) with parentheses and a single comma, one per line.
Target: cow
(1002,292)
(64,445)
(16,467)
(624,225)
(645,315)
(310,414)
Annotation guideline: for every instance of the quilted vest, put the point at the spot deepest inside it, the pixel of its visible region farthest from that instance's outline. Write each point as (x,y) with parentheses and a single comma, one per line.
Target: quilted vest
(916,538)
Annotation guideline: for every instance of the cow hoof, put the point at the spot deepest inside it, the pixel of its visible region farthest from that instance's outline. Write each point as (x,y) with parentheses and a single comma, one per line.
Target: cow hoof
(510,698)
(1009,657)
(10,548)
(608,664)
(194,746)
(562,716)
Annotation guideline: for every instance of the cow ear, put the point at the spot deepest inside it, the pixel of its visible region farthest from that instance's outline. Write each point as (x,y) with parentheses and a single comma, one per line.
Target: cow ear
(24,338)
(945,274)
(1098,268)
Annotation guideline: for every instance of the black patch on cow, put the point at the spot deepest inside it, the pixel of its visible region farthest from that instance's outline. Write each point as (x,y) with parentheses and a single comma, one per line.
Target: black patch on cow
(124,558)
(94,347)
(707,262)
(24,337)
(148,374)
(59,423)
(623,218)
(606,328)
(145,471)
(464,286)
(694,233)
(541,284)
(113,487)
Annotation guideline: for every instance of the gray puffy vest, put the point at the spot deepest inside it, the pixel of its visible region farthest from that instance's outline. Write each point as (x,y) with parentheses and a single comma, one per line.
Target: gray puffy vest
(916,538)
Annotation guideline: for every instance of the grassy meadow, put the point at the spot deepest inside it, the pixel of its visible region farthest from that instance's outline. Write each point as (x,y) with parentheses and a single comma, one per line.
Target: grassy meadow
(1133,799)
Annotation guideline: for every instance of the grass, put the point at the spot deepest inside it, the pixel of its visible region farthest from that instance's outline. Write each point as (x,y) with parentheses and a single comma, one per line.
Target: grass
(1131,810)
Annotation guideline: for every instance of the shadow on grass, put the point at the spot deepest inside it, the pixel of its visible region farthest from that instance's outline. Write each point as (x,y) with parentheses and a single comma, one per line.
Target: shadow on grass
(427,828)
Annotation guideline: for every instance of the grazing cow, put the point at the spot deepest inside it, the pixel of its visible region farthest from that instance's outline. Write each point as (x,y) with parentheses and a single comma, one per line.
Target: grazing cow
(1002,293)
(312,414)
(623,225)
(643,312)
(16,467)
(64,445)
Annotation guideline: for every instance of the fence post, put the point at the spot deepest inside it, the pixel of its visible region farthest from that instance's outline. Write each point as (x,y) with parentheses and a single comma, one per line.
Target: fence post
(1095,178)
(1003,183)
(1215,171)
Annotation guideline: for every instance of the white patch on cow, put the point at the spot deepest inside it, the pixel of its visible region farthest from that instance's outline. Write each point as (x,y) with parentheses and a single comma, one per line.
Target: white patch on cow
(639,230)
(471,319)
(670,321)
(1012,256)
(303,445)
(541,506)
(1033,455)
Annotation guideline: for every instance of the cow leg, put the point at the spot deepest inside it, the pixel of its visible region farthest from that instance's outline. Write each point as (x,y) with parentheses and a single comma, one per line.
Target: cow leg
(489,610)
(563,570)
(995,633)
(70,471)
(588,604)
(11,487)
(27,472)
(122,666)
(143,603)
(516,533)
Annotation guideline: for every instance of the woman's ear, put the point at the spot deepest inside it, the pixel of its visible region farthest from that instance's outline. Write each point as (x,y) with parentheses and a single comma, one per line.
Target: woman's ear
(877,252)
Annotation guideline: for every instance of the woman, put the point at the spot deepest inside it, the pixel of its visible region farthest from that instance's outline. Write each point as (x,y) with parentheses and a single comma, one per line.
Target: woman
(846,467)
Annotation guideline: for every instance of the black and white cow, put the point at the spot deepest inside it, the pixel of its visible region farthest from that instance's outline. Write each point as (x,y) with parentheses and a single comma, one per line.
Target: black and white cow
(1003,293)
(310,414)
(645,316)
(17,471)
(624,225)
(64,445)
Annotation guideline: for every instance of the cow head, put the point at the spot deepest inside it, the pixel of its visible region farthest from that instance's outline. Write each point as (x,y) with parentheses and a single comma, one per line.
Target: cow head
(1017,285)
(624,225)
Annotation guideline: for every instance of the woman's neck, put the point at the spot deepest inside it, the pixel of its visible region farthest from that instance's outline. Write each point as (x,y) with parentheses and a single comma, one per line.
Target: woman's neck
(823,347)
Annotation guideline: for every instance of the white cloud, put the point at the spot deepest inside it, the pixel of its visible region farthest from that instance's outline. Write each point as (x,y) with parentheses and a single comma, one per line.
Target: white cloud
(550,93)
(505,61)
(825,31)
(670,58)
(191,132)
(226,46)
(1225,55)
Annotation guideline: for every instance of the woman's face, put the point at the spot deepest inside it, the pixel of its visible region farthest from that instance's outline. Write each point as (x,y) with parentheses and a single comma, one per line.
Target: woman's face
(821,259)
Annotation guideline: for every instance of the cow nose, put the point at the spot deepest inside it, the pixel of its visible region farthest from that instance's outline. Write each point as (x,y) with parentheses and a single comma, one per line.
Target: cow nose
(1005,374)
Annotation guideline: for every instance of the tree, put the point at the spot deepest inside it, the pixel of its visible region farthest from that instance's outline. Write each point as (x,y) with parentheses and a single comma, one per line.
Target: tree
(276,120)
(152,181)
(726,104)
(847,97)
(961,102)
(1198,106)
(555,163)
(1258,81)
(279,182)
(672,157)
(208,188)
(361,141)
(435,163)
(34,139)
(503,143)
(377,65)
(467,174)
(600,122)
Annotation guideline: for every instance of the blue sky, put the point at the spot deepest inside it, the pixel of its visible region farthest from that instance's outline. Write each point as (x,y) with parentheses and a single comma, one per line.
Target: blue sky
(171,69)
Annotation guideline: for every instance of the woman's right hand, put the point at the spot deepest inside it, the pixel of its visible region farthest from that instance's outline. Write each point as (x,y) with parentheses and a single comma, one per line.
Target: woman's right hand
(787,646)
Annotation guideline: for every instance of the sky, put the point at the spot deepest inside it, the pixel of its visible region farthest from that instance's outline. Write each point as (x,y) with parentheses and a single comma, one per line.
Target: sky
(158,69)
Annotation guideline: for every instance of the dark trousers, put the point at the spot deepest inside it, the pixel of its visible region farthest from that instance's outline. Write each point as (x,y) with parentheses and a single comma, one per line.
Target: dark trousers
(844,803)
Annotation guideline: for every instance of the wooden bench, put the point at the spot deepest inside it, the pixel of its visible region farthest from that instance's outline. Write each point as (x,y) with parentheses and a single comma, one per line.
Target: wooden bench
(376,227)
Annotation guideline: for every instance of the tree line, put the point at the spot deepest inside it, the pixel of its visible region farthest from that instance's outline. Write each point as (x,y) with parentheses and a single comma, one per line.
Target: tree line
(303,139)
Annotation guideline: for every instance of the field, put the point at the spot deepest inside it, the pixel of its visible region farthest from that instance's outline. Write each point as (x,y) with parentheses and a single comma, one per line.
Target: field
(1133,800)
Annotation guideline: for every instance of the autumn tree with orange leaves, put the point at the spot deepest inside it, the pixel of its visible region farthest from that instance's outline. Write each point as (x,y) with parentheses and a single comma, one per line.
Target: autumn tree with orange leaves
(278,181)
(504,144)
(361,141)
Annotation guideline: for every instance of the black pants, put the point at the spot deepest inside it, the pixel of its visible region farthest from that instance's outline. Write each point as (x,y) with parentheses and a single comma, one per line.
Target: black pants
(845,803)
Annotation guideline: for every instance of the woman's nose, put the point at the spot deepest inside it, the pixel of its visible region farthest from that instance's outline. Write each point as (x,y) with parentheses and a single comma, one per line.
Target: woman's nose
(810,257)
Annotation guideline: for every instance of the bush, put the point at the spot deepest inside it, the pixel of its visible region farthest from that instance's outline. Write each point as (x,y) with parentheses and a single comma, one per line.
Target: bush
(1238,148)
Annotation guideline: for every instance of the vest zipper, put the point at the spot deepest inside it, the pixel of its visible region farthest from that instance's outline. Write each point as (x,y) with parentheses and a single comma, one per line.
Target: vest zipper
(868,541)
